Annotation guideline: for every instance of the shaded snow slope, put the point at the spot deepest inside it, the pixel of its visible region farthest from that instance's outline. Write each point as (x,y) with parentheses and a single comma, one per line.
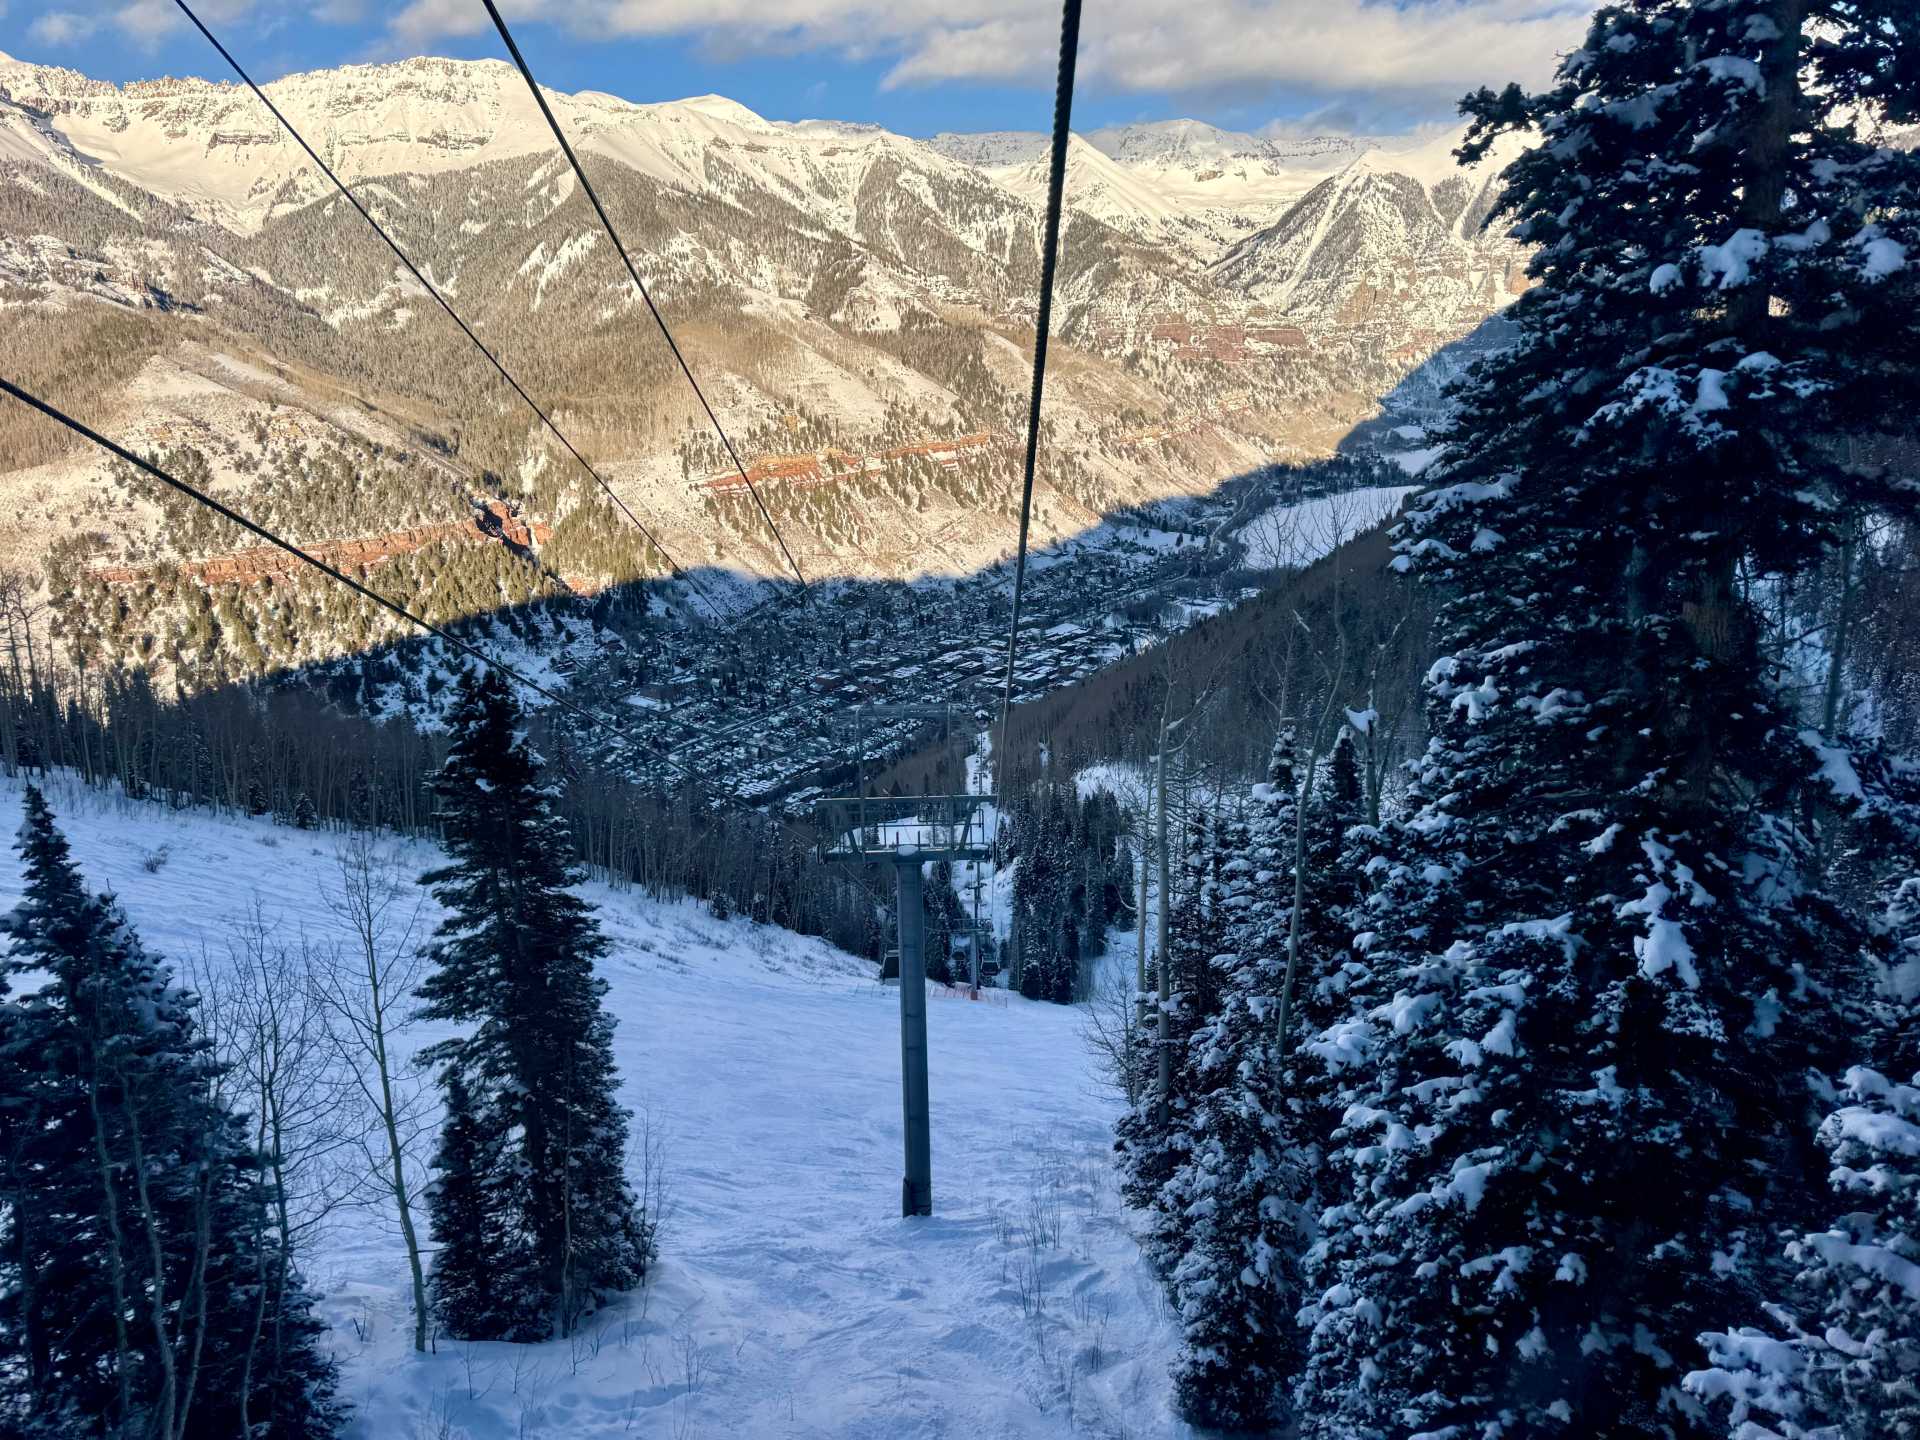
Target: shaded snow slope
(791,1301)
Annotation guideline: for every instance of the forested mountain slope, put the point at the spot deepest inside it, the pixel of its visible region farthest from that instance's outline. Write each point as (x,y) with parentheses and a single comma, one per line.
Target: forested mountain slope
(858,304)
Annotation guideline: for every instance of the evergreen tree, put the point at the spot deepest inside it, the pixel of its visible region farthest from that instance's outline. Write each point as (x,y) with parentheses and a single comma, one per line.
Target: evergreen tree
(1245,1197)
(943,919)
(1333,887)
(1041,886)
(1238,1194)
(1597,966)
(474,1293)
(1157,1137)
(1848,1366)
(132,1233)
(1840,1356)
(305,817)
(514,958)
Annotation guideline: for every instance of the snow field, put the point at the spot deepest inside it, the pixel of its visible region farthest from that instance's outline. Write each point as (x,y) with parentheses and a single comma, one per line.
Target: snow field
(790,1299)
(1294,536)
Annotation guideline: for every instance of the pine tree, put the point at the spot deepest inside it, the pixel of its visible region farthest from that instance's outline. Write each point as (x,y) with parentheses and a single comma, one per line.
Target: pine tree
(1156,1139)
(1847,1367)
(1246,1194)
(474,1292)
(305,817)
(116,1154)
(1042,887)
(1840,1354)
(514,958)
(1339,804)
(1596,966)
(1235,1200)
(943,913)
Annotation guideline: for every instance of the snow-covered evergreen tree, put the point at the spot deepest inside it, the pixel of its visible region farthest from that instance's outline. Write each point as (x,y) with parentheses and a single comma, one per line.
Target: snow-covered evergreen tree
(475,1292)
(514,958)
(1234,1200)
(1245,1197)
(1042,894)
(1156,1138)
(944,920)
(1839,1358)
(132,1228)
(1847,1366)
(1595,969)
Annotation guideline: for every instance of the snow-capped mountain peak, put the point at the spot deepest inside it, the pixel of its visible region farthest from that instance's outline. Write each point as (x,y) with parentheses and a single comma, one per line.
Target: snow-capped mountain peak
(991,149)
(854,292)
(1170,142)
(719,107)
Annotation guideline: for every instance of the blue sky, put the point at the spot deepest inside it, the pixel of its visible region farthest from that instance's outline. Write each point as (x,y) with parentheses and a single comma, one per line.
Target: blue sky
(916,66)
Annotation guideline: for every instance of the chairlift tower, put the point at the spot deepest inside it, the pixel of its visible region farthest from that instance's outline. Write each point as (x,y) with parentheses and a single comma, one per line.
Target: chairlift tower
(908,832)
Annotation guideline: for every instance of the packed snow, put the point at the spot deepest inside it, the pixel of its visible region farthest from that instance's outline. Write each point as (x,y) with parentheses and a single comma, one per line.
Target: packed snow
(790,1300)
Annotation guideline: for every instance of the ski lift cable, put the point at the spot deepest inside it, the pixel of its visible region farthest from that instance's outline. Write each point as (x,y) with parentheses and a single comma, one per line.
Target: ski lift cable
(306,557)
(433,290)
(1049,259)
(226,512)
(600,720)
(591,716)
(606,224)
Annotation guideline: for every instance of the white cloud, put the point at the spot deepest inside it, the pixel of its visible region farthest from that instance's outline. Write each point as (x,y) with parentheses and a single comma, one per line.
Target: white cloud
(143,22)
(1417,54)
(62,27)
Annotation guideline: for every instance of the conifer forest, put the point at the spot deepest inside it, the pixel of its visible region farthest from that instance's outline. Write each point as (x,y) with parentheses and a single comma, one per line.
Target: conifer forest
(682,774)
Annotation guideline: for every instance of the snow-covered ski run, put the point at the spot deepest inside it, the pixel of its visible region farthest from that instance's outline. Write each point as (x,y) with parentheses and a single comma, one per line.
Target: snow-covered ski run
(790,1299)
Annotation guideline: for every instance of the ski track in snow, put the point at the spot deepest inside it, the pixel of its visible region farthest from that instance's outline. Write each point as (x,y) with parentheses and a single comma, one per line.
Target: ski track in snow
(770,1064)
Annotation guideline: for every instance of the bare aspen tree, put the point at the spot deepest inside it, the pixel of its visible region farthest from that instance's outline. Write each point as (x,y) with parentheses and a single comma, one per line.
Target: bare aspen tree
(366,990)
(1333,674)
(1169,724)
(1110,1027)
(116,1237)
(272,1034)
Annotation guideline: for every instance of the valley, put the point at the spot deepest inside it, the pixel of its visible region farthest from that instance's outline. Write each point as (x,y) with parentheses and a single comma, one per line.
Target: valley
(760,711)
(857,303)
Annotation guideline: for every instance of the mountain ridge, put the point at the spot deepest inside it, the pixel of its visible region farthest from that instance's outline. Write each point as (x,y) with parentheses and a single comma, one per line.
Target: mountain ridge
(174,268)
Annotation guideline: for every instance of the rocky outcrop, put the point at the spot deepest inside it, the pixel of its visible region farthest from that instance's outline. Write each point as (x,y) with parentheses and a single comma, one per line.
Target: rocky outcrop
(493,523)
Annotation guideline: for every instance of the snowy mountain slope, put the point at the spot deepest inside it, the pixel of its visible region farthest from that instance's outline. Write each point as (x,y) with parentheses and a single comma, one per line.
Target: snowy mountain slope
(1180,183)
(991,149)
(1194,207)
(212,148)
(789,1300)
(1416,211)
(840,289)
(1167,143)
(1389,253)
